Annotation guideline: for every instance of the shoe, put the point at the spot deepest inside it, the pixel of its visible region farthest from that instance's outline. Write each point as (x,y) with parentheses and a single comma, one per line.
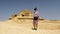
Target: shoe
(35,28)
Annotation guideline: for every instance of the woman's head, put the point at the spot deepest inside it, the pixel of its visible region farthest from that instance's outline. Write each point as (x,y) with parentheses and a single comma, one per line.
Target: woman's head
(35,9)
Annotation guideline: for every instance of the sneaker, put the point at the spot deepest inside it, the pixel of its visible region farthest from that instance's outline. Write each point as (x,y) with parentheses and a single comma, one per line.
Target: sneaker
(35,28)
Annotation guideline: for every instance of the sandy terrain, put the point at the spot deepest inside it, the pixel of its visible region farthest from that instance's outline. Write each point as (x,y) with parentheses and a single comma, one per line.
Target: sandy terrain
(44,27)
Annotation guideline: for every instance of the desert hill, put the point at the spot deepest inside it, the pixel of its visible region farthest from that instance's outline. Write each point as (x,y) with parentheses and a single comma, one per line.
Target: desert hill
(21,23)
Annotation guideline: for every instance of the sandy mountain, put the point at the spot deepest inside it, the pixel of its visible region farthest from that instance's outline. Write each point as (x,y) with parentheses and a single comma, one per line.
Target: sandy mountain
(21,23)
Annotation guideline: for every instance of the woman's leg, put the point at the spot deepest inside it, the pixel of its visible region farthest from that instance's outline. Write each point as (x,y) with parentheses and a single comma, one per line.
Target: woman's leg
(34,23)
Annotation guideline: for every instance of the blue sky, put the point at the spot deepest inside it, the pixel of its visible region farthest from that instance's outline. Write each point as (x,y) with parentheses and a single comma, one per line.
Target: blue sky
(48,9)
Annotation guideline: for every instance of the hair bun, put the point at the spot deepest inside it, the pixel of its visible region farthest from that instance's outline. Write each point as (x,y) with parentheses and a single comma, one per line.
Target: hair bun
(35,8)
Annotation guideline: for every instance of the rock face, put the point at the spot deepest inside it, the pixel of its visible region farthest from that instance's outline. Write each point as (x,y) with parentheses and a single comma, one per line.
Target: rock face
(25,14)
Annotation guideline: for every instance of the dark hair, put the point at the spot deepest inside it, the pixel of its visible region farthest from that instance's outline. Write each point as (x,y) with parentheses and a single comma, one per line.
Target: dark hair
(35,8)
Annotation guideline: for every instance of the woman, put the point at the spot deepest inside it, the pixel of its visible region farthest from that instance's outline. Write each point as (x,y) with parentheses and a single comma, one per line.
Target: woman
(35,19)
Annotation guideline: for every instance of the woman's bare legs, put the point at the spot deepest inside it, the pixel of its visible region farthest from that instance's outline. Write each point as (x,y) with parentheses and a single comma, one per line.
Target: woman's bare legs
(35,24)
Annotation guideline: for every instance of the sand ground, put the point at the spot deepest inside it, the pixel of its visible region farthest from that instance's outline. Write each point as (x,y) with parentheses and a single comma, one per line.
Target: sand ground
(11,27)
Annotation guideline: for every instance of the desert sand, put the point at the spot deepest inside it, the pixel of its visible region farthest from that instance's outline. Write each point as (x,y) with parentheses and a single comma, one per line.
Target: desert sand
(44,27)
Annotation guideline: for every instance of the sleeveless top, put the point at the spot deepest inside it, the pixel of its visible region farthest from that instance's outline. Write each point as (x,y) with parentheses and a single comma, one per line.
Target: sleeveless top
(36,14)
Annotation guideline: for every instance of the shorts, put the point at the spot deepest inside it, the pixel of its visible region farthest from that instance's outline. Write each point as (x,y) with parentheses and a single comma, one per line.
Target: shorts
(35,18)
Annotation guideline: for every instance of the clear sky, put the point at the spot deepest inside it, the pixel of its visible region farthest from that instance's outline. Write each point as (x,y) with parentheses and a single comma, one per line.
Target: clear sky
(48,9)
